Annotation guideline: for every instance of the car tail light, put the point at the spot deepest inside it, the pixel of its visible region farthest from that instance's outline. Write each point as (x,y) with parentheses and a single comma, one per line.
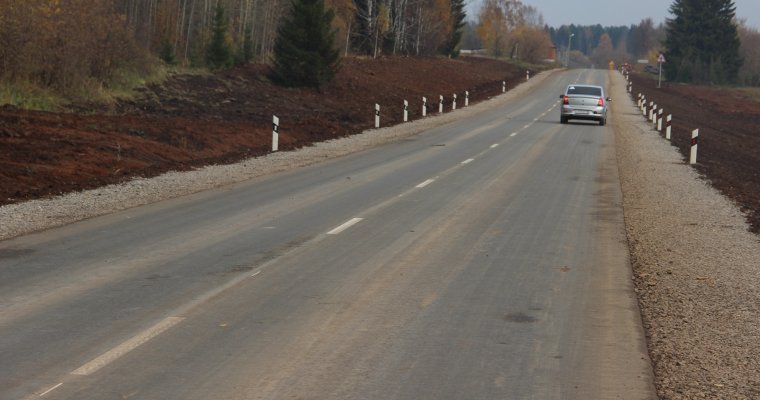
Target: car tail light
(601,102)
(566,100)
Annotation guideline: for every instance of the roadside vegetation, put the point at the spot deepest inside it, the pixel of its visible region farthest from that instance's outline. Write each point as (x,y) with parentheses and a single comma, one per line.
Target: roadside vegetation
(55,52)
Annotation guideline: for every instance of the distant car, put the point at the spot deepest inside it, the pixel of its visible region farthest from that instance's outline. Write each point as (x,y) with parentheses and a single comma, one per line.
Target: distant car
(652,69)
(585,102)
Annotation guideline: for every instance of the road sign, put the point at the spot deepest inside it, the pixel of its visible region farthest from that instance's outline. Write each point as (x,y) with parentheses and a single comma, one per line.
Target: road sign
(660,61)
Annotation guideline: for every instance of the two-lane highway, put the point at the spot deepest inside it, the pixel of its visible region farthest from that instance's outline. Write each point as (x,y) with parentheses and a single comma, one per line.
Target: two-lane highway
(482,259)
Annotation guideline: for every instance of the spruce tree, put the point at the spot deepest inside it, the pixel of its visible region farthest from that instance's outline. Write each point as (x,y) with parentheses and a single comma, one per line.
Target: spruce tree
(219,52)
(167,53)
(304,51)
(245,52)
(458,15)
(702,45)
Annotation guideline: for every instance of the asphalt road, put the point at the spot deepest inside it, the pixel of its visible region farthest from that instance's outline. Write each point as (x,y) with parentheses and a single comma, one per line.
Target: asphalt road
(483,259)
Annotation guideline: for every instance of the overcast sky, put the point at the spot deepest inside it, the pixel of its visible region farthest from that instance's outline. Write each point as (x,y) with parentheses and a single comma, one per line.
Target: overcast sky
(615,12)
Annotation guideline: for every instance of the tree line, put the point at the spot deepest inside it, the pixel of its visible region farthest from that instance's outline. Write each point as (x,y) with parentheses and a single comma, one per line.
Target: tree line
(84,45)
(704,42)
(597,44)
(73,45)
(512,29)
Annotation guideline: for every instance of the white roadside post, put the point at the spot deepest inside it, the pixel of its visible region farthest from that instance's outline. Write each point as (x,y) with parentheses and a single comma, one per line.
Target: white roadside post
(454,102)
(659,120)
(440,104)
(377,115)
(668,126)
(424,106)
(651,109)
(466,98)
(527,75)
(654,117)
(503,86)
(406,111)
(644,106)
(694,141)
(275,133)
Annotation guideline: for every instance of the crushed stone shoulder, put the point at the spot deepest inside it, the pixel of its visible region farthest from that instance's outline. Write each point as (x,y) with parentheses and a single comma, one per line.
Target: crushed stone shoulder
(696,267)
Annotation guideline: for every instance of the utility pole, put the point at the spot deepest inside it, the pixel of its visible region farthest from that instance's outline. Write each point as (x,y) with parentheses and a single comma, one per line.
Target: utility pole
(569,44)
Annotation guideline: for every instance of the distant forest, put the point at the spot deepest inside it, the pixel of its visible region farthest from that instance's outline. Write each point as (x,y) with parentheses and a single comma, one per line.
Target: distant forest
(85,47)
(621,43)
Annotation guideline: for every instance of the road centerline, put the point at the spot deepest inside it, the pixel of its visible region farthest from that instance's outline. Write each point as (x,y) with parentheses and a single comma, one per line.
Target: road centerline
(423,184)
(124,348)
(344,226)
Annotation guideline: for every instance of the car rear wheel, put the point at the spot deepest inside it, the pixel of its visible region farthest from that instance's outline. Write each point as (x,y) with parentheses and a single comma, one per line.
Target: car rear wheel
(562,120)
(603,121)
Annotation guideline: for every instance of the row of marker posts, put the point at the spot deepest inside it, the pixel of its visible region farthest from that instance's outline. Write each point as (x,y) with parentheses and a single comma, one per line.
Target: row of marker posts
(276,120)
(424,107)
(656,114)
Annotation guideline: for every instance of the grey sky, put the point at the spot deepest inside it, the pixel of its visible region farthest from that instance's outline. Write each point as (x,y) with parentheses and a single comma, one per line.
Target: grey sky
(615,12)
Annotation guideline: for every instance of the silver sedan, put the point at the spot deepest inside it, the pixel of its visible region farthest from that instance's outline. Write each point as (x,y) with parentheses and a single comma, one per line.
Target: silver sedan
(584,102)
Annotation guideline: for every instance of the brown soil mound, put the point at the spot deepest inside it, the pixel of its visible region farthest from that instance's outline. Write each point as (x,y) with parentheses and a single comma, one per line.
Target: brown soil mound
(729,136)
(192,120)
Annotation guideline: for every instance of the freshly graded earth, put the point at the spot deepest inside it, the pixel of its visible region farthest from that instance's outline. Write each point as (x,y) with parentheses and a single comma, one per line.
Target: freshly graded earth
(190,121)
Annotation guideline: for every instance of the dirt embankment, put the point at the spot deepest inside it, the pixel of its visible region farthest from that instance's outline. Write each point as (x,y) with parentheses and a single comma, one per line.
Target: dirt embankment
(191,120)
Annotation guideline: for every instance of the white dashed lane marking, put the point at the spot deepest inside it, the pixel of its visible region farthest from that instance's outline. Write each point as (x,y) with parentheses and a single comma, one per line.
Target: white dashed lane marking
(345,226)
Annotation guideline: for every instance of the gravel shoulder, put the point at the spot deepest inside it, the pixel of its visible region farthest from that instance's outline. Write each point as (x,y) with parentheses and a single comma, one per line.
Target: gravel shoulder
(696,267)
(36,215)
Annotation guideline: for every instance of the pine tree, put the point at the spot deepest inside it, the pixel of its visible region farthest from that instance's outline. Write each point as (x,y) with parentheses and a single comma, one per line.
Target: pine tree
(167,53)
(219,52)
(702,45)
(245,53)
(451,45)
(304,51)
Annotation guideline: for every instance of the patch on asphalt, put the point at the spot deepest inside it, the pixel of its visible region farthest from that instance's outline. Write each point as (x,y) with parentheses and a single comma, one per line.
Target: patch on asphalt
(14,253)
(519,318)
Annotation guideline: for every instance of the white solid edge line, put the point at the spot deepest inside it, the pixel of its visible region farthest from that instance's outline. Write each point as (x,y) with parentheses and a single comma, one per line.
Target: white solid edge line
(467,161)
(423,184)
(50,390)
(124,348)
(345,226)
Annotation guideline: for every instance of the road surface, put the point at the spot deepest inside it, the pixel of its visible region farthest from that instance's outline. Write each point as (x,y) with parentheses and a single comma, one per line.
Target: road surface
(483,259)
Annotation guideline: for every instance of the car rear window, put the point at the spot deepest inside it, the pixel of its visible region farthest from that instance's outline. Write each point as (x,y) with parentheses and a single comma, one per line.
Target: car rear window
(584,90)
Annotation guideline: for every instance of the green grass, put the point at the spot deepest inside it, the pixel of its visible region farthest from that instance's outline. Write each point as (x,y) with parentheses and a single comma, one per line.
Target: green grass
(122,86)
(30,97)
(751,92)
